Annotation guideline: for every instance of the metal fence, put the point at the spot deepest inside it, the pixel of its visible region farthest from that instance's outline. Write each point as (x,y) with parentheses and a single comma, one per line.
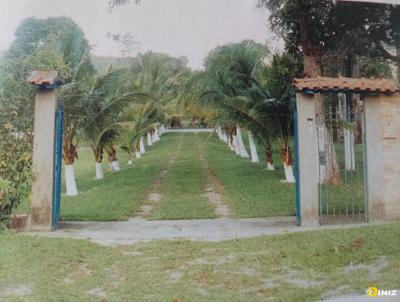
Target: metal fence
(341,147)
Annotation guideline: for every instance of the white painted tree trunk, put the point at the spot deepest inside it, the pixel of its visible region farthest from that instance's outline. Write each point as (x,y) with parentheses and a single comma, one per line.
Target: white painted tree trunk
(219,132)
(70,182)
(253,149)
(270,167)
(138,155)
(99,171)
(350,162)
(149,139)
(242,148)
(141,145)
(236,147)
(289,173)
(162,129)
(130,162)
(156,136)
(231,144)
(348,134)
(224,137)
(115,166)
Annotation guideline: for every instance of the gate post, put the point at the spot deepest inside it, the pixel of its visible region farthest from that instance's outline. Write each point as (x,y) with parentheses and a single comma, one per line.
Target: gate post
(46,105)
(382,115)
(308,159)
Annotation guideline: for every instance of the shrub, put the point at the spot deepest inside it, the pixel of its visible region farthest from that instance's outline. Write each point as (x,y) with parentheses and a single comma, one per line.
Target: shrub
(15,168)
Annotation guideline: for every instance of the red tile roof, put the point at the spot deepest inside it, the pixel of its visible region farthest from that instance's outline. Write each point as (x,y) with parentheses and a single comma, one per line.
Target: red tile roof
(41,78)
(346,84)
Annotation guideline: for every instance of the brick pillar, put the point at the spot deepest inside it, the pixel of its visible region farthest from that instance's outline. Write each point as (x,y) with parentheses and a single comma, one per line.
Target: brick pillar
(382,115)
(308,159)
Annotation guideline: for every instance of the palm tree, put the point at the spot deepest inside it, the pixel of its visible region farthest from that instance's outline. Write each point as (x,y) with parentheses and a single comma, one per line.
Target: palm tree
(232,84)
(136,123)
(229,85)
(107,98)
(160,77)
(73,97)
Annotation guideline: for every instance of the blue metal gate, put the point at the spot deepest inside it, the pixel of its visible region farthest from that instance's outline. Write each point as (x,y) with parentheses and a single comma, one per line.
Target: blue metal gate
(57,170)
(296,158)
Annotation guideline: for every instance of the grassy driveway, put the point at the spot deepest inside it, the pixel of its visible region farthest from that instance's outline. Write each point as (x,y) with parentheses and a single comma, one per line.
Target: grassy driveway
(248,189)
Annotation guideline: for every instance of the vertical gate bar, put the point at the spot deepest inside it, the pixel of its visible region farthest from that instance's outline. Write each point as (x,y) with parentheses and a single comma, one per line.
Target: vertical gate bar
(297,159)
(54,202)
(319,172)
(57,164)
(61,134)
(365,162)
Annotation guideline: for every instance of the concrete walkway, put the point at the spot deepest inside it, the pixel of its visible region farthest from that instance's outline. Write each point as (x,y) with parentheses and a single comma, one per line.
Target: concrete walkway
(139,230)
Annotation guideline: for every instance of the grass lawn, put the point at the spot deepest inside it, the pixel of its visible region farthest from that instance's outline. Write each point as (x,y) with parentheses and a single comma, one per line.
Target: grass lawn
(251,191)
(248,189)
(184,184)
(292,267)
(118,195)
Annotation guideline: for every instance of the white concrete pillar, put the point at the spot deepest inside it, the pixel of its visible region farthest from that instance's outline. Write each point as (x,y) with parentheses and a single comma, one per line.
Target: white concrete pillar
(43,159)
(308,159)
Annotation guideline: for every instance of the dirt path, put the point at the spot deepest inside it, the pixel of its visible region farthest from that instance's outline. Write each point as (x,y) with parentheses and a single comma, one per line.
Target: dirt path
(154,196)
(214,188)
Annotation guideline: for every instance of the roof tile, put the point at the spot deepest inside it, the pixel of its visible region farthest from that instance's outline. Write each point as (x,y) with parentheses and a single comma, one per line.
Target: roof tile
(321,84)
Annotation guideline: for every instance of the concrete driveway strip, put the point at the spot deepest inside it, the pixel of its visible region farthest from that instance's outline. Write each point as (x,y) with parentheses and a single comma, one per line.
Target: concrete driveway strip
(140,230)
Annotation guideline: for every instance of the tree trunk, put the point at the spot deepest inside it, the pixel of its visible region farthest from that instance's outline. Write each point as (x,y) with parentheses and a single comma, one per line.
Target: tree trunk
(242,148)
(70,182)
(156,136)
(328,169)
(268,158)
(219,132)
(231,141)
(253,148)
(287,160)
(98,155)
(224,136)
(153,136)
(112,158)
(137,148)
(348,133)
(69,152)
(99,171)
(142,149)
(129,158)
(236,144)
(69,155)
(149,139)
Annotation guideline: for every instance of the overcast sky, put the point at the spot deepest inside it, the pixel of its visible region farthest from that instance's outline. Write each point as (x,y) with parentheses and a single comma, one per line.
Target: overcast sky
(188,28)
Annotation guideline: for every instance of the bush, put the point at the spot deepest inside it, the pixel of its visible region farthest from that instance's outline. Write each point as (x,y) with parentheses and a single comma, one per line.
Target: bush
(15,168)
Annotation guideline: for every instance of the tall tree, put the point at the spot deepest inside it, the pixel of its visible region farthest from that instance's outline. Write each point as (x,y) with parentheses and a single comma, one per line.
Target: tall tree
(56,44)
(312,29)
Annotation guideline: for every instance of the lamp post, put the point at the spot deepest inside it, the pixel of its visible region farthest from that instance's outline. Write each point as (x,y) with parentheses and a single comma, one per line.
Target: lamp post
(46,166)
